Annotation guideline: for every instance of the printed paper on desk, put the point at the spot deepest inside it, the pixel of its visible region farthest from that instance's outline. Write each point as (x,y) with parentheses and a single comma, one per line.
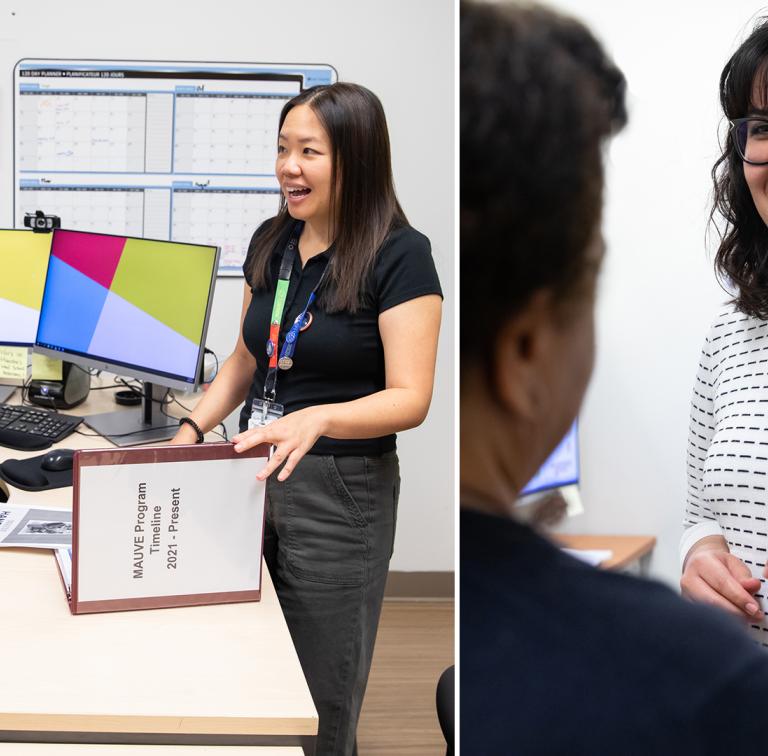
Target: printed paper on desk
(167,526)
(35,528)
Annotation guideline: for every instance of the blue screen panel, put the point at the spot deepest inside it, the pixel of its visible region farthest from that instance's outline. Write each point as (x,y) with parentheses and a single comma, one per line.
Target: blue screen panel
(72,303)
(561,467)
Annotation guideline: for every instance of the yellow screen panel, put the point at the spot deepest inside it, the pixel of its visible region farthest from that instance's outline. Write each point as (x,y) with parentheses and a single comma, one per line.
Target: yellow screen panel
(23,267)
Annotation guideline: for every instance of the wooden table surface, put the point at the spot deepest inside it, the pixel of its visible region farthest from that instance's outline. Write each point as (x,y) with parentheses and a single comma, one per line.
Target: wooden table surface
(626,548)
(225,669)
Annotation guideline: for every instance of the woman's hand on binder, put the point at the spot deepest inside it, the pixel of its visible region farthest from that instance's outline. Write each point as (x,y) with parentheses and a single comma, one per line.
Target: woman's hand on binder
(292,436)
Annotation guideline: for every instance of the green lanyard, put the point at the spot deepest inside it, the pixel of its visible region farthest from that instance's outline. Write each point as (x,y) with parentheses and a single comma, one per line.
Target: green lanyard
(278,306)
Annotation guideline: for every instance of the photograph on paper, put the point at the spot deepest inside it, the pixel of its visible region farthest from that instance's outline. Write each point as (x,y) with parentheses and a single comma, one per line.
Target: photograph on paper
(35,528)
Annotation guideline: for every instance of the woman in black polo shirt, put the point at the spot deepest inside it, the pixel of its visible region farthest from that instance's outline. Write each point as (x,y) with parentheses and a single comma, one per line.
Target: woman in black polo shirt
(355,293)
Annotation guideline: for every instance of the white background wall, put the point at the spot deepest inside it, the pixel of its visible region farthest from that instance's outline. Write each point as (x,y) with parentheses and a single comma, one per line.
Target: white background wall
(401,50)
(658,290)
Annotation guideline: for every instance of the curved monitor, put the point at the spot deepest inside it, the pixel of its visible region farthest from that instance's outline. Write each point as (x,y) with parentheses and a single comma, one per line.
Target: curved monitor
(23,265)
(132,306)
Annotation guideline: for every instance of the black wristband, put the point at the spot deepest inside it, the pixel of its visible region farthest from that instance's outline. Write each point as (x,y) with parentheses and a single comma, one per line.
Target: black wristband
(195,426)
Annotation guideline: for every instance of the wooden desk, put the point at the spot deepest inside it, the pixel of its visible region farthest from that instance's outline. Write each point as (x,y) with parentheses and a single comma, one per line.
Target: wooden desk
(210,675)
(627,549)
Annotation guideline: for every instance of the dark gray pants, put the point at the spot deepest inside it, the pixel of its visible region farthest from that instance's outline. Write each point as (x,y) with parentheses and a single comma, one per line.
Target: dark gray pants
(329,535)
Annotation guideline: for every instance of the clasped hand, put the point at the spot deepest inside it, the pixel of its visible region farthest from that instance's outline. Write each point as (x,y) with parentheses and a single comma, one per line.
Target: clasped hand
(721,579)
(292,436)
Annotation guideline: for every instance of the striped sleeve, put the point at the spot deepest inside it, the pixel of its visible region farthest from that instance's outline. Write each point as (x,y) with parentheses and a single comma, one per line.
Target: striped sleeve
(699,520)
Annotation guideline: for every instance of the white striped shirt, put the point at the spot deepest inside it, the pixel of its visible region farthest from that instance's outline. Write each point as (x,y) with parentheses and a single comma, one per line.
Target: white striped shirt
(728,446)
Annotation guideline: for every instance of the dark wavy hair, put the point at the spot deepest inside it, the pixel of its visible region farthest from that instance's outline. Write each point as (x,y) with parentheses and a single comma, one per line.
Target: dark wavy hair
(538,98)
(741,260)
(365,209)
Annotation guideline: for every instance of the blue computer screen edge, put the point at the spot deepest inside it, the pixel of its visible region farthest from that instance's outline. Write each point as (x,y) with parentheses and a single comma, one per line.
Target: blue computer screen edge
(562,483)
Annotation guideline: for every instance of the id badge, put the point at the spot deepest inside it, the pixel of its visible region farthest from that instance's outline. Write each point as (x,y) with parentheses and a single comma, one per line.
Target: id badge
(264,412)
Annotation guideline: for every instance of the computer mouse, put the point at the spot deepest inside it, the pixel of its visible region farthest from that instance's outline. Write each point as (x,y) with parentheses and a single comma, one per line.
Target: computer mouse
(58,460)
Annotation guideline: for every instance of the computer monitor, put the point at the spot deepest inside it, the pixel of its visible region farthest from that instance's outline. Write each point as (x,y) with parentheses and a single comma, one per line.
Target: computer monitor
(135,307)
(23,265)
(561,468)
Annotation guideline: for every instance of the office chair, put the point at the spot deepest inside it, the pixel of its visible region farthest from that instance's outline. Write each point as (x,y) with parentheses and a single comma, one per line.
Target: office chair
(445,706)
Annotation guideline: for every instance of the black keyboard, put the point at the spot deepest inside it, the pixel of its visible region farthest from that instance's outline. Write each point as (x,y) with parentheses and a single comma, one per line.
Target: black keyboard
(31,429)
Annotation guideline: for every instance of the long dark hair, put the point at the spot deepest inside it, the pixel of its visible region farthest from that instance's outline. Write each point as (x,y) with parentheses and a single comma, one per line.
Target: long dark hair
(742,257)
(364,211)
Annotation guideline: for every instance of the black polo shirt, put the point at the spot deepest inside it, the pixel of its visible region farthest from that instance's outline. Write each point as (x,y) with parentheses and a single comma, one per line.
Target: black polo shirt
(340,357)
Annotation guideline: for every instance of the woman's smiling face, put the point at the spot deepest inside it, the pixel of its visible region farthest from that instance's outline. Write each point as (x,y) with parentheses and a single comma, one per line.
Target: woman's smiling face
(756,176)
(304,166)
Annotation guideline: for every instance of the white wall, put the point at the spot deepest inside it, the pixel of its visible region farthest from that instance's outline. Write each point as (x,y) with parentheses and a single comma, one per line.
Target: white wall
(658,290)
(401,50)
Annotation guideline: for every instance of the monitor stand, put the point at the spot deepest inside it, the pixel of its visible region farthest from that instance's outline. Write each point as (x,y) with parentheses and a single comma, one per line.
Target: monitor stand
(6,392)
(139,425)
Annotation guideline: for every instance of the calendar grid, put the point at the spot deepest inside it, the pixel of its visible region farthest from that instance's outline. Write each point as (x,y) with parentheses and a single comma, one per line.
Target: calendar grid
(178,150)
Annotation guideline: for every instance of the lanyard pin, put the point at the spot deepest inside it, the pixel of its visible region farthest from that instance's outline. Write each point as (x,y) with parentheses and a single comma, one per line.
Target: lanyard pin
(307,321)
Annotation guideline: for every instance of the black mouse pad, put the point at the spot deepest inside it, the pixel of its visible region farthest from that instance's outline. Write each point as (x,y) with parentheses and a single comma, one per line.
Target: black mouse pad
(28,475)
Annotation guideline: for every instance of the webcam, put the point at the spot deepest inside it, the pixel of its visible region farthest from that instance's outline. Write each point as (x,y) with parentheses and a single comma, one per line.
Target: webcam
(40,222)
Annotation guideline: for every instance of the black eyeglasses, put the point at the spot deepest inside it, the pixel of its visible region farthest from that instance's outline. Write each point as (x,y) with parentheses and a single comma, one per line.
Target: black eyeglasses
(750,135)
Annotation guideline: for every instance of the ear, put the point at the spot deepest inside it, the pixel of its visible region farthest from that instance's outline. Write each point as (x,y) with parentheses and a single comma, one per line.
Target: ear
(525,354)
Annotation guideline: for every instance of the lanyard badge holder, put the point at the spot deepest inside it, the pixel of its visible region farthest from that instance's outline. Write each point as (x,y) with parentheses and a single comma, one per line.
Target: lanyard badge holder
(264,411)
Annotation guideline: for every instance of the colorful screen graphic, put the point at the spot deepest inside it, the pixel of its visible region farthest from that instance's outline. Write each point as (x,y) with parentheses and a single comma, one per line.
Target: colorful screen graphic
(561,467)
(23,264)
(129,302)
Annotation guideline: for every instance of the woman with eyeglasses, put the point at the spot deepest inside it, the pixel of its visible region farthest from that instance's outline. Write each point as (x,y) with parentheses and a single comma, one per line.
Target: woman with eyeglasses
(724,546)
